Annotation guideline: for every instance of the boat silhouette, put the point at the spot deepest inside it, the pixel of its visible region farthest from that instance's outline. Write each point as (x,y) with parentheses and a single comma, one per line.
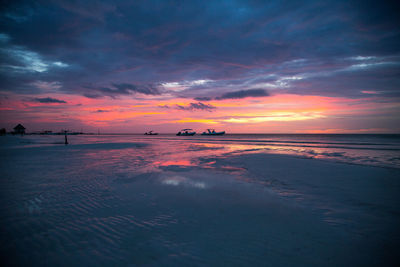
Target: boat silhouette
(150,133)
(186,132)
(212,132)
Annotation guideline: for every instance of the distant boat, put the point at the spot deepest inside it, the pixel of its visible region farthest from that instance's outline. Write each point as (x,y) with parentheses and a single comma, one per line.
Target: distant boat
(186,132)
(213,132)
(150,133)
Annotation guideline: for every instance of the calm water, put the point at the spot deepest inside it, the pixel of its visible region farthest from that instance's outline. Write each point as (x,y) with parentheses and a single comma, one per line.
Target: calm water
(366,149)
(135,200)
(377,150)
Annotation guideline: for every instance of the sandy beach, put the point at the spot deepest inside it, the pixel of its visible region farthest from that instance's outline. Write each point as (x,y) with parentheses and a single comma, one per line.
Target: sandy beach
(151,202)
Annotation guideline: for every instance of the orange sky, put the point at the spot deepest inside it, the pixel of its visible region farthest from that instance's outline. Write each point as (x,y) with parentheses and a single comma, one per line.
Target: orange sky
(280,113)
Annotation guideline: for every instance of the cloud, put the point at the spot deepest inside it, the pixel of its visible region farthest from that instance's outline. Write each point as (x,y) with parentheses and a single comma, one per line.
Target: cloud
(196,106)
(163,106)
(243,94)
(92,95)
(16,58)
(192,51)
(183,85)
(4,38)
(120,89)
(49,100)
(143,89)
(205,98)
(47,86)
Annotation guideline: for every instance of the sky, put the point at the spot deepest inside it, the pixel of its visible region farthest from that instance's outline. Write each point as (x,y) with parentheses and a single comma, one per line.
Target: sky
(239,66)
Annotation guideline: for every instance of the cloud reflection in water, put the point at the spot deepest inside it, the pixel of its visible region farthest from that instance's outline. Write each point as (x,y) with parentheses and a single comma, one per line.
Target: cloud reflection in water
(182,181)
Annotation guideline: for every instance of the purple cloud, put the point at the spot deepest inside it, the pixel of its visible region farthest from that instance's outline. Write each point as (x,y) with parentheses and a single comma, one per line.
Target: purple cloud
(196,106)
(243,94)
(49,100)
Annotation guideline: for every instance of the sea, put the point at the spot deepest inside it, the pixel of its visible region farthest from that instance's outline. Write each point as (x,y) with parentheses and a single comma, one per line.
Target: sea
(381,150)
(366,149)
(232,200)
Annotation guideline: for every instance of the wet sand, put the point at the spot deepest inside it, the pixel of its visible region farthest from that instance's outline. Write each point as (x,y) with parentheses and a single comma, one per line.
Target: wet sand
(138,204)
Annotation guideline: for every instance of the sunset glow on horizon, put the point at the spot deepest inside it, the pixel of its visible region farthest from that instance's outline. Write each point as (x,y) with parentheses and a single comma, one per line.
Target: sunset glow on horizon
(238,66)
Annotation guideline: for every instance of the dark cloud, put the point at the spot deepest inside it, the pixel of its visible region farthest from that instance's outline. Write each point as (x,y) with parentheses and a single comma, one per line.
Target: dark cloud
(142,44)
(243,94)
(49,100)
(163,106)
(101,110)
(197,106)
(203,98)
(119,89)
(143,89)
(91,95)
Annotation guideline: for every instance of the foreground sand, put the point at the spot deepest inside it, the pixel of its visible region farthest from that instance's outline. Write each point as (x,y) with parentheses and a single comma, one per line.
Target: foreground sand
(110,204)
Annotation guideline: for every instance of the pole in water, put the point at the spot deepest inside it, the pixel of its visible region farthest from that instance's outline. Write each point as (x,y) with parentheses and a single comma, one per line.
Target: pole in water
(66,140)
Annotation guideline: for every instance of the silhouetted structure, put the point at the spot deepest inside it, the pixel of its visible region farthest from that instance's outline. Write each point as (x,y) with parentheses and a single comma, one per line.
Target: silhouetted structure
(150,133)
(186,132)
(66,140)
(3,131)
(19,129)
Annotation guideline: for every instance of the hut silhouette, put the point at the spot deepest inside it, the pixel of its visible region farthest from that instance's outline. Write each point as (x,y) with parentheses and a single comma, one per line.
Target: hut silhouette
(19,129)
